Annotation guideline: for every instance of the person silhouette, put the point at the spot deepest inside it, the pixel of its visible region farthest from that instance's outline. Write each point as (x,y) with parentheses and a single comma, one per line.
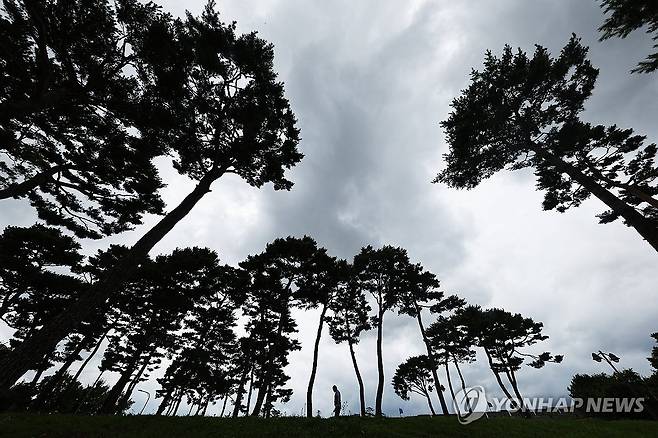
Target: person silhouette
(337,402)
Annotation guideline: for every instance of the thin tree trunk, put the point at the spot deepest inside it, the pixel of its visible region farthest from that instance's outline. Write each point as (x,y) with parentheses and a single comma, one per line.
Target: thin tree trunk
(311,380)
(251,387)
(98,379)
(165,401)
(84,364)
(114,394)
(266,379)
(433,363)
(70,360)
(362,396)
(380,365)
(174,399)
(221,414)
(461,378)
(37,376)
(19,190)
(131,387)
(642,225)
(512,379)
(268,402)
(18,361)
(497,374)
(238,396)
(178,402)
(205,408)
(452,391)
(429,403)
(58,377)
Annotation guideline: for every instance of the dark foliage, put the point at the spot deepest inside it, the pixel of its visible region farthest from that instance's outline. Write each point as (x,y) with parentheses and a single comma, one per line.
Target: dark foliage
(522,111)
(626,16)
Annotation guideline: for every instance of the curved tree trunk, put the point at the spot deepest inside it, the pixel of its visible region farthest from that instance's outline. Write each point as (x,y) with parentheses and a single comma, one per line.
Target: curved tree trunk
(429,403)
(515,387)
(311,380)
(497,374)
(362,392)
(642,225)
(19,360)
(433,363)
(380,365)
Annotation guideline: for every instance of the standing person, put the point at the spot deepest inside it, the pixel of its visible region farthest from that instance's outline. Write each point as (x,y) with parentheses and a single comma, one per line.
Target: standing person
(337,402)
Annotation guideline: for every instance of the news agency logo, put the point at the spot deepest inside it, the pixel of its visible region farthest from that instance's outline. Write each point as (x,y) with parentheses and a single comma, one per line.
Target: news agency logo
(471,404)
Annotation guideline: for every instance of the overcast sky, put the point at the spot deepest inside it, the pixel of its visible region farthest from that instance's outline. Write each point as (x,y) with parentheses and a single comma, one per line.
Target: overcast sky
(369,82)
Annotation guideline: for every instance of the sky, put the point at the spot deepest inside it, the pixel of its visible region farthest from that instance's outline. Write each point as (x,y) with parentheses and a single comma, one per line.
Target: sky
(369,82)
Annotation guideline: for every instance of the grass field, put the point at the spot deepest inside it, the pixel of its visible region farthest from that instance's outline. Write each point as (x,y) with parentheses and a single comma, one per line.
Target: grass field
(23,425)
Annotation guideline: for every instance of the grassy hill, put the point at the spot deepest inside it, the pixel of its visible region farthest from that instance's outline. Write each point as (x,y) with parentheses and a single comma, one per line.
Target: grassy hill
(24,425)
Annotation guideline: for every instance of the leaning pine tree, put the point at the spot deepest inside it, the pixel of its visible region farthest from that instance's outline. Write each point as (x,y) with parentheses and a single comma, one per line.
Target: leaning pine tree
(226,114)
(523,112)
(423,293)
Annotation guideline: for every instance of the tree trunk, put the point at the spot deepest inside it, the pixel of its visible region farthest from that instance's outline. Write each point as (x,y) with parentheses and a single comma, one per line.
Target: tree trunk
(19,190)
(221,414)
(433,363)
(174,399)
(58,377)
(114,395)
(18,361)
(497,374)
(84,364)
(260,398)
(452,391)
(178,402)
(238,395)
(512,380)
(268,402)
(133,384)
(266,378)
(362,396)
(311,380)
(642,225)
(37,376)
(429,403)
(380,365)
(165,401)
(205,407)
(251,388)
(461,378)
